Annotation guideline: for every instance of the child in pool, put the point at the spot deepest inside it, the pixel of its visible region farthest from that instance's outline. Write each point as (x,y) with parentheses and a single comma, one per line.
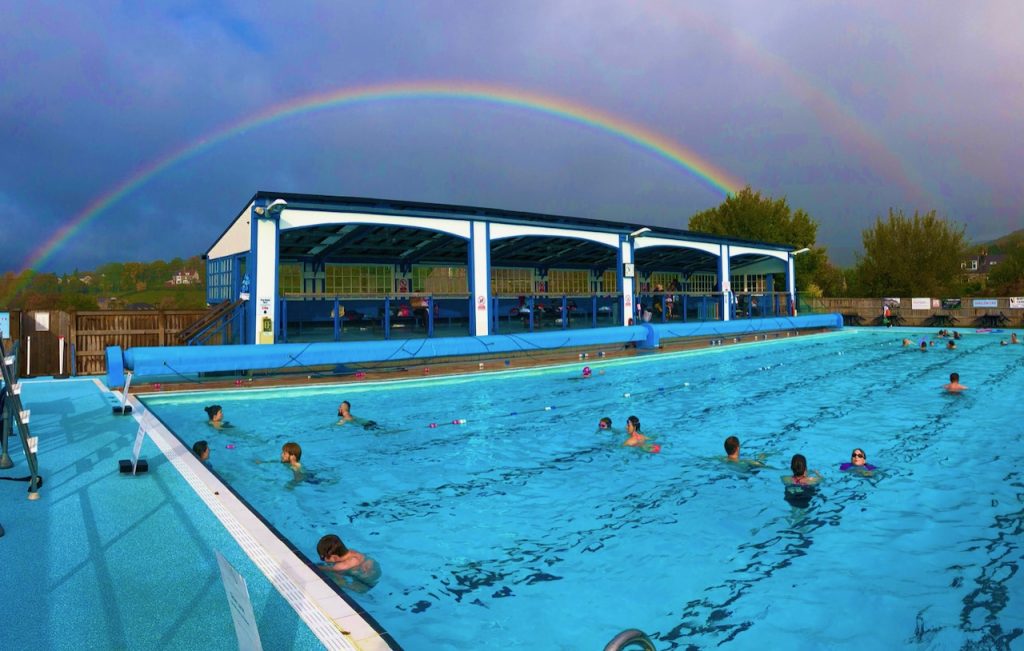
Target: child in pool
(351,569)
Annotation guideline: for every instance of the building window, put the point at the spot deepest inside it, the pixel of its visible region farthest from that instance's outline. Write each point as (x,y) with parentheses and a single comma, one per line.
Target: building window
(289,279)
(358,280)
(440,280)
(511,280)
(569,281)
(702,283)
(662,278)
(609,282)
(218,279)
(748,283)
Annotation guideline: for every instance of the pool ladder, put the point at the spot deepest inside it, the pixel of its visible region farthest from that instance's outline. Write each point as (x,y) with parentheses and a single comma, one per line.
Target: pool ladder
(631,638)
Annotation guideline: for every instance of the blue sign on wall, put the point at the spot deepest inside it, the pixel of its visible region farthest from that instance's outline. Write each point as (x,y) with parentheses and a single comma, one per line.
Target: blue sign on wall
(5,325)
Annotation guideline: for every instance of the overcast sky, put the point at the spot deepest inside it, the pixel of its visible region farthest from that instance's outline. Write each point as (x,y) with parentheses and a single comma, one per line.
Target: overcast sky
(846,109)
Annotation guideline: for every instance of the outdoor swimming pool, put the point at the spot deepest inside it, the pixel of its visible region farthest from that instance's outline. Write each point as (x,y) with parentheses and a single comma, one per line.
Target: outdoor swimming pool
(538,530)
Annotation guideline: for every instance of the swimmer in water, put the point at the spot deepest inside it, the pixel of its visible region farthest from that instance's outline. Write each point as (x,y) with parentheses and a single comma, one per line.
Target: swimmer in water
(345,416)
(907,342)
(954,385)
(1013,338)
(352,570)
(924,346)
(605,424)
(637,439)
(202,450)
(799,477)
(858,463)
(216,416)
(950,345)
(732,454)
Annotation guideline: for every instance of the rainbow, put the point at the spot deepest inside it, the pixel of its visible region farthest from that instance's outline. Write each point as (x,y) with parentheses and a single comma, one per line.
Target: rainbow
(633,133)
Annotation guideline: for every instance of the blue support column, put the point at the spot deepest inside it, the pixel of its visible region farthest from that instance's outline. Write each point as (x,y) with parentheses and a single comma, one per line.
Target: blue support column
(282,322)
(387,317)
(337,319)
(495,316)
(593,310)
(529,303)
(565,313)
(430,316)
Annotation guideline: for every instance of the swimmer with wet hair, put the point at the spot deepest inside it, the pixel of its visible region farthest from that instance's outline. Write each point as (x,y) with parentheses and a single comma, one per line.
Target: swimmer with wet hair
(732,454)
(202,450)
(216,416)
(637,439)
(954,385)
(350,569)
(605,423)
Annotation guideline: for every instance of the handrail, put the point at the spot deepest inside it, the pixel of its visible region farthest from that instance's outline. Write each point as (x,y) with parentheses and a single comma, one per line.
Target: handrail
(630,637)
(221,310)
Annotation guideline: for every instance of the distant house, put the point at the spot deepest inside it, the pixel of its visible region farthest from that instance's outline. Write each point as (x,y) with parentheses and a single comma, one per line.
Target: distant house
(184,277)
(86,279)
(976,268)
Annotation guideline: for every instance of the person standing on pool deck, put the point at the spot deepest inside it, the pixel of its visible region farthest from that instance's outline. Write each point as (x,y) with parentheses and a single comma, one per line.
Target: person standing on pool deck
(350,569)
(954,383)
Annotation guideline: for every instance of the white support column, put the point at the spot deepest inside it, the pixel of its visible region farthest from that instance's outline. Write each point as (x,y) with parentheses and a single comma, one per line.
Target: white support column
(627,283)
(724,282)
(265,234)
(791,283)
(480,278)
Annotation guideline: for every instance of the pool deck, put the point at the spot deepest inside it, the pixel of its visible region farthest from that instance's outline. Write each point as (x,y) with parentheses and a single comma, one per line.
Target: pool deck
(104,560)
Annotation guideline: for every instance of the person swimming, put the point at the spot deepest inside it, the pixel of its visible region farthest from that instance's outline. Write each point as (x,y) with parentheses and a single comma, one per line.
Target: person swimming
(216,416)
(732,454)
(350,569)
(637,439)
(345,416)
(954,385)
(800,487)
(858,463)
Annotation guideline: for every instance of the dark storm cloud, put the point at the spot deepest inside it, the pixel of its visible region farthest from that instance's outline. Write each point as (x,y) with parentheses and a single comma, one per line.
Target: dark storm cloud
(844,110)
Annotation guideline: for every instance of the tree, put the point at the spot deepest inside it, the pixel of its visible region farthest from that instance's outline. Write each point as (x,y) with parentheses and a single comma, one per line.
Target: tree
(911,257)
(1007,277)
(750,216)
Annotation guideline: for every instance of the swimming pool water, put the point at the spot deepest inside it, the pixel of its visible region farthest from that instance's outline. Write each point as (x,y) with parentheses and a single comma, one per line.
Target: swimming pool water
(538,530)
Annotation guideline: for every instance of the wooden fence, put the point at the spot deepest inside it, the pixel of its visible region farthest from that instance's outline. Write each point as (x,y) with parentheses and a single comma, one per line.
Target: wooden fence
(92,332)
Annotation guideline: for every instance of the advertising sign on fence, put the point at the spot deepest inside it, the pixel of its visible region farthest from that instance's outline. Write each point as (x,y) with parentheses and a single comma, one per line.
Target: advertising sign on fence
(951,303)
(985,302)
(1017,302)
(920,303)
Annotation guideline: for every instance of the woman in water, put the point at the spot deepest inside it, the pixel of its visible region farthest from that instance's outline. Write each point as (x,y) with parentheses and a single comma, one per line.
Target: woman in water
(216,416)
(858,463)
(799,477)
(799,487)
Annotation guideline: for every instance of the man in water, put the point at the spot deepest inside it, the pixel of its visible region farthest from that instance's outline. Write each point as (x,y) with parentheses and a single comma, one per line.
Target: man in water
(350,569)
(954,385)
(732,452)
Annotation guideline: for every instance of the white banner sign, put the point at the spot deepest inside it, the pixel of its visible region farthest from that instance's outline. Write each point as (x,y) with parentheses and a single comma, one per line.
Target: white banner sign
(240,605)
(127,385)
(137,448)
(920,303)
(1017,302)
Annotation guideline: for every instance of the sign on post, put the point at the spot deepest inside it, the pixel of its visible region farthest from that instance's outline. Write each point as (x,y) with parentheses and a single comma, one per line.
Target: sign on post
(240,605)
(137,448)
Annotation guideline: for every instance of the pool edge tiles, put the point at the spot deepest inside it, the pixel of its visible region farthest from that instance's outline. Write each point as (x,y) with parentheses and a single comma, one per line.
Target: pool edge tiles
(488,373)
(327,615)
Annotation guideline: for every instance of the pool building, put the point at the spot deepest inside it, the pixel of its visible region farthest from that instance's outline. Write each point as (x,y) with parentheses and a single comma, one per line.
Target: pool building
(325,286)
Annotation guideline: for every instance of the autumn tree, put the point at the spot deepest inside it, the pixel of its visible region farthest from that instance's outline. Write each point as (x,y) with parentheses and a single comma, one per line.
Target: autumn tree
(917,256)
(750,216)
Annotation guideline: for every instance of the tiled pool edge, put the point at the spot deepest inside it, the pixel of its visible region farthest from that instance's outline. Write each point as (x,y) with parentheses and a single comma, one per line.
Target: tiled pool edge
(329,617)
